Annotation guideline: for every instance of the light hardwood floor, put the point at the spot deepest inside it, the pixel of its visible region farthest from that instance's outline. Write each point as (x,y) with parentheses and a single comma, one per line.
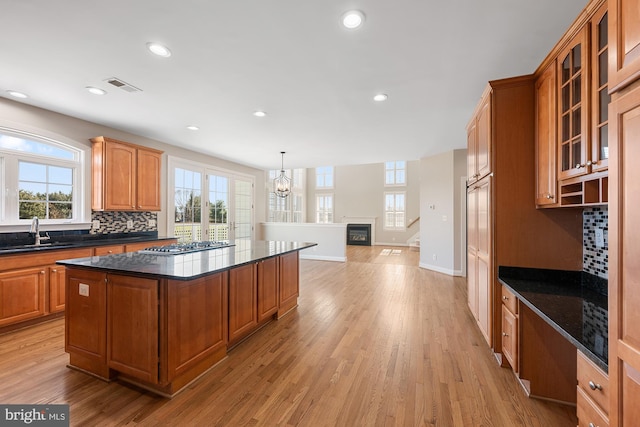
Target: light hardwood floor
(375,341)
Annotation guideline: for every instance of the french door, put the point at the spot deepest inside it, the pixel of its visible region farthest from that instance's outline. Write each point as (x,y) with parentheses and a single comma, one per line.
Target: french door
(211,204)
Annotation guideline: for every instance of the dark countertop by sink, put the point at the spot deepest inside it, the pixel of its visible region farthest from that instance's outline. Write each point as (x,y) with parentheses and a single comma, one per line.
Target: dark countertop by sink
(574,303)
(18,243)
(190,265)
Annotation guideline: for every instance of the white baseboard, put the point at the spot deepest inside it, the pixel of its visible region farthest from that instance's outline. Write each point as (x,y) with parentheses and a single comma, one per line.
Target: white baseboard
(438,269)
(323,258)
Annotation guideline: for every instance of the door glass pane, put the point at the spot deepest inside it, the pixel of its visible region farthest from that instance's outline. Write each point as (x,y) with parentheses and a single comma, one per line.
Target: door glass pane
(604,142)
(566,98)
(577,152)
(187,205)
(565,69)
(565,127)
(575,122)
(565,157)
(577,93)
(603,29)
(218,226)
(604,99)
(603,70)
(577,59)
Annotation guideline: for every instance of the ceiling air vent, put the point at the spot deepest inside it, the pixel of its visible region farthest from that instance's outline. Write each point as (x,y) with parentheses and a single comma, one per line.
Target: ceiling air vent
(122,85)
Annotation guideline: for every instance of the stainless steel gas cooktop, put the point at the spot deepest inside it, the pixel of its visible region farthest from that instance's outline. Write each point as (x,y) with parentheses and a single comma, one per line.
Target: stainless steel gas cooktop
(184,248)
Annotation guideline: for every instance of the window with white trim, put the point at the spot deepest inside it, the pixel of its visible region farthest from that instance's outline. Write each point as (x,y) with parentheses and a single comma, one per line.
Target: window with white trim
(324,177)
(394,210)
(395,173)
(39,177)
(324,208)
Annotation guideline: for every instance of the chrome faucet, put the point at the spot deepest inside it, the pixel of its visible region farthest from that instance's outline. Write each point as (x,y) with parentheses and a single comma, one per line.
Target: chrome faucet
(35,228)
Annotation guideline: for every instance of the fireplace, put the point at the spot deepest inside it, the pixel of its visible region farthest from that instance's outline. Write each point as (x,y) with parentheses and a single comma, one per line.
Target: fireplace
(359,234)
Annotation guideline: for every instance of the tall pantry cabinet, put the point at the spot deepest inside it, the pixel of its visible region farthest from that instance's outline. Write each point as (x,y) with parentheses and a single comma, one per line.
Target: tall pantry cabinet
(624,216)
(504,226)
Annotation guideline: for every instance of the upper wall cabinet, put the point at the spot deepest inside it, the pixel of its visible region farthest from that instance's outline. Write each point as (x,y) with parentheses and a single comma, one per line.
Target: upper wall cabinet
(624,40)
(124,176)
(546,176)
(479,141)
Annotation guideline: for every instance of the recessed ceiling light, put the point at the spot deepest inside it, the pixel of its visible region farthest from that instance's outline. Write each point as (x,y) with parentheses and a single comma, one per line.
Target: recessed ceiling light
(17,94)
(158,49)
(192,127)
(259,113)
(352,19)
(96,90)
(380,97)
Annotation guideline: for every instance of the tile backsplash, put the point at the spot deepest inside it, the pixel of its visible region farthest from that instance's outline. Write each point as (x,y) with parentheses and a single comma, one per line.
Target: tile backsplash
(595,258)
(116,222)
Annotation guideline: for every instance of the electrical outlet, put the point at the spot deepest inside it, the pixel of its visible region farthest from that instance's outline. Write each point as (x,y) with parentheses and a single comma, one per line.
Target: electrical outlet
(95,224)
(435,257)
(83,289)
(152,223)
(129,224)
(599,237)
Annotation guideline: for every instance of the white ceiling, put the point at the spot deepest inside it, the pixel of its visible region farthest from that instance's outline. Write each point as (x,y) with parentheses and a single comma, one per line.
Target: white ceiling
(290,58)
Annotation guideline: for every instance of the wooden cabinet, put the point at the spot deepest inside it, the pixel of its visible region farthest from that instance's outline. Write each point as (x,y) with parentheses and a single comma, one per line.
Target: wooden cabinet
(56,288)
(267,288)
(289,270)
(546,137)
(243,302)
(86,335)
(624,254)
(125,177)
(22,295)
(600,98)
(593,393)
(624,42)
(479,278)
(479,140)
(510,330)
(108,250)
(132,327)
(505,227)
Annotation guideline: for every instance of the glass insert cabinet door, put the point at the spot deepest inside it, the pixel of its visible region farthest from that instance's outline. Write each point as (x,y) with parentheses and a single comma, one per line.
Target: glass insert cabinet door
(572,124)
(600,91)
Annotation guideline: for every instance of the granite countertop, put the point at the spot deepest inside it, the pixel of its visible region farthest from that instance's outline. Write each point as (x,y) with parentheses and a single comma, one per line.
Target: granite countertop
(574,303)
(22,243)
(190,265)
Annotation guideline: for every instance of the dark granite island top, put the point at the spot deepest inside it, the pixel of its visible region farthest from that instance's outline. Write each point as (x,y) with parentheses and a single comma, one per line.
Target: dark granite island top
(191,265)
(574,303)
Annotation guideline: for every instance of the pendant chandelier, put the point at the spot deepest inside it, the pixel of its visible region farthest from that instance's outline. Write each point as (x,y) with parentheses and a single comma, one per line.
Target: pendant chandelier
(282,184)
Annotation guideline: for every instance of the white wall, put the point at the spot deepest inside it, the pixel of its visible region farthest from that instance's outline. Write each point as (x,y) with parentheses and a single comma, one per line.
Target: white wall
(359,192)
(441,218)
(331,238)
(58,126)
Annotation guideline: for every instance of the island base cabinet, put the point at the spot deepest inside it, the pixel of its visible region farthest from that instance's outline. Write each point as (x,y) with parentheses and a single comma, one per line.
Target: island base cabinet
(86,321)
(132,328)
(289,283)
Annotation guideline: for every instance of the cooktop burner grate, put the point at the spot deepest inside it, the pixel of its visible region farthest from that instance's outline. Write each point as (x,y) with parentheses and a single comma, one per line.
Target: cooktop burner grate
(184,248)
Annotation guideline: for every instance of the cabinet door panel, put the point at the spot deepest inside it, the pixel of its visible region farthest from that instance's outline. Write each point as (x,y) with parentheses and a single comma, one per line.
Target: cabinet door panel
(289,281)
(510,337)
(197,320)
(243,303)
(624,43)
(148,180)
(546,163)
(119,182)
(472,149)
(624,259)
(132,332)
(22,295)
(485,254)
(56,288)
(484,138)
(267,288)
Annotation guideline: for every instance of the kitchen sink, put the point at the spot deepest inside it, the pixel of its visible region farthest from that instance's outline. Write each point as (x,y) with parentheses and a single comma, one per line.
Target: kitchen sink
(34,246)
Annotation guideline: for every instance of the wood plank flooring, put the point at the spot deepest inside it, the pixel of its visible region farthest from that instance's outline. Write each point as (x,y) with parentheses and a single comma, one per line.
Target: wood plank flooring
(375,341)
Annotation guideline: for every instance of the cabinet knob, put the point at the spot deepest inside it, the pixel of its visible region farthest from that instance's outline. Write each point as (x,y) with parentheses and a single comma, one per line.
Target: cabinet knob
(109,252)
(592,425)
(595,386)
(549,196)
(504,297)
(504,334)
(54,271)
(41,271)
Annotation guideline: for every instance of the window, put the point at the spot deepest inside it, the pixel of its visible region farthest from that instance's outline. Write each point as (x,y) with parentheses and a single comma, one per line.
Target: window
(324,177)
(324,208)
(394,211)
(290,208)
(395,173)
(39,177)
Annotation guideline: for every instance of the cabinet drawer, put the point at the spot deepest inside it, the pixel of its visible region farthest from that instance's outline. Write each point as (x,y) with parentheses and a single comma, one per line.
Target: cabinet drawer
(108,250)
(589,414)
(593,382)
(509,300)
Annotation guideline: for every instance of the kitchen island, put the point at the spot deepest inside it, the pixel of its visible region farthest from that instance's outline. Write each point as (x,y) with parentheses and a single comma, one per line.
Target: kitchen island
(160,321)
